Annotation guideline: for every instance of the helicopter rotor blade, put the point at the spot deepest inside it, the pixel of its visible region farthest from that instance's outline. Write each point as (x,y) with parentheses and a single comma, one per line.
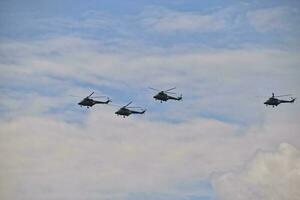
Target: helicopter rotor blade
(170,92)
(135,107)
(91,94)
(153,89)
(170,89)
(114,105)
(101,97)
(263,96)
(127,104)
(284,95)
(74,96)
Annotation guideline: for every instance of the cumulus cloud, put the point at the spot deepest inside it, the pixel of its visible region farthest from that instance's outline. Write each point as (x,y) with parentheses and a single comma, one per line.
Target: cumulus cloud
(269,176)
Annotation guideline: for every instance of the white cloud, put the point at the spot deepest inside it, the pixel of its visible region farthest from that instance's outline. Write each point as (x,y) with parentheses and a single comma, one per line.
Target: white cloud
(108,156)
(168,21)
(269,176)
(86,21)
(208,79)
(274,19)
(73,56)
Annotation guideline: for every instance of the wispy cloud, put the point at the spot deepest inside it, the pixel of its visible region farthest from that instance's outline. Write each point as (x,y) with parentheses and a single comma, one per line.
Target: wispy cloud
(66,62)
(88,20)
(168,21)
(274,19)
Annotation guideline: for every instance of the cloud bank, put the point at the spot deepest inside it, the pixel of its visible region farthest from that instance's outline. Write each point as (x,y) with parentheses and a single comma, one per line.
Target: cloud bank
(272,175)
(44,157)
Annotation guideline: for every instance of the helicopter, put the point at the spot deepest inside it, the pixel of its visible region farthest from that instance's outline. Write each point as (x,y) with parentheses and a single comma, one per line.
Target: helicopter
(163,95)
(125,110)
(89,102)
(273,101)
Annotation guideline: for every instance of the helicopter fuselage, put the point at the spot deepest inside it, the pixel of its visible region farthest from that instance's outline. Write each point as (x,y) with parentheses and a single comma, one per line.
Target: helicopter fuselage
(161,96)
(272,102)
(275,102)
(123,112)
(90,102)
(126,112)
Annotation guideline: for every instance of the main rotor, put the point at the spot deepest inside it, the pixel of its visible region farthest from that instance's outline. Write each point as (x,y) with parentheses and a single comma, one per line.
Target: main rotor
(285,95)
(164,91)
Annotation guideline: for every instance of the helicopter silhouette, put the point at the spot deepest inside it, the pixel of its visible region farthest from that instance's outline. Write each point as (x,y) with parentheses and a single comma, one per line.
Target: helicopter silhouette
(163,95)
(125,111)
(273,101)
(90,102)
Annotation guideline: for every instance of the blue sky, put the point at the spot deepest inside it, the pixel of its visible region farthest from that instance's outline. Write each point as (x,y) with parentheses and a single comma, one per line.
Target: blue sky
(220,55)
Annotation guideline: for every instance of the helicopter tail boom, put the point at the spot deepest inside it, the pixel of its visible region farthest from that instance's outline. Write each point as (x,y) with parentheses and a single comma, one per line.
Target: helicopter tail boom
(138,112)
(175,98)
(102,102)
(293,100)
(288,101)
(179,98)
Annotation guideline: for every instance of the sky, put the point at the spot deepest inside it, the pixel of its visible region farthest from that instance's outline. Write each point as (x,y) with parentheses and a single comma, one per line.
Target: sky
(219,143)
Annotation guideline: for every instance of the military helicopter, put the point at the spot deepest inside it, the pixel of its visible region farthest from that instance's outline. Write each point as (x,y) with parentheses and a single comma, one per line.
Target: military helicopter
(273,101)
(125,110)
(163,95)
(89,102)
